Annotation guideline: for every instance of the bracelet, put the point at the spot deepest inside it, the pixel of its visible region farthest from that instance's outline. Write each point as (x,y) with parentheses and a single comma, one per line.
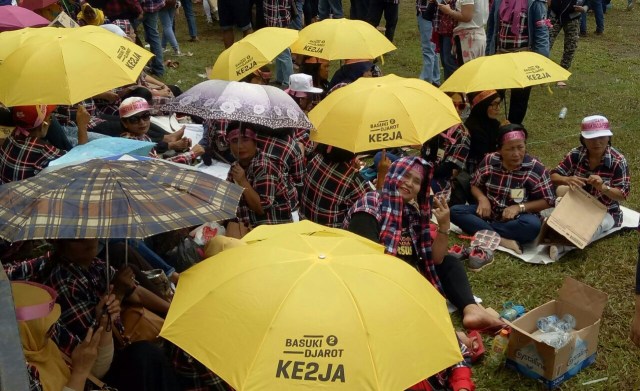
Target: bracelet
(522,208)
(443,232)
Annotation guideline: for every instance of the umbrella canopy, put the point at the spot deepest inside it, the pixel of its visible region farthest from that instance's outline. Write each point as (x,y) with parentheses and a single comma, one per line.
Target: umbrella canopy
(102,148)
(303,227)
(298,312)
(503,71)
(340,39)
(113,199)
(237,101)
(36,4)
(66,66)
(252,52)
(11,40)
(382,112)
(14,18)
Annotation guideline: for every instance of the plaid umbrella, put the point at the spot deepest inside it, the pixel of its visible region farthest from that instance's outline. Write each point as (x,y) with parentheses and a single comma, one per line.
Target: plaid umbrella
(113,199)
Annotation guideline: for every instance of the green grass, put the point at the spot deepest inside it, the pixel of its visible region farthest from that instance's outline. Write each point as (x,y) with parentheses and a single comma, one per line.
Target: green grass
(604,81)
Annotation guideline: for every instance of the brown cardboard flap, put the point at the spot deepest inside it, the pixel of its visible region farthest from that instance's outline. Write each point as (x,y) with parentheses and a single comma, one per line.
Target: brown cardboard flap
(577,216)
(583,296)
(63,20)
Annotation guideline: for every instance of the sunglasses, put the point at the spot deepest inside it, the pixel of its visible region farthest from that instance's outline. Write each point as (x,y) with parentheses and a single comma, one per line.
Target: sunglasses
(134,119)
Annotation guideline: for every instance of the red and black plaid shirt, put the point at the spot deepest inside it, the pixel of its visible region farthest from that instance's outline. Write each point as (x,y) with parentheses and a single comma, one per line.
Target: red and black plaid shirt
(268,181)
(277,13)
(507,41)
(496,182)
(329,190)
(613,170)
(24,156)
(285,153)
(453,147)
(192,375)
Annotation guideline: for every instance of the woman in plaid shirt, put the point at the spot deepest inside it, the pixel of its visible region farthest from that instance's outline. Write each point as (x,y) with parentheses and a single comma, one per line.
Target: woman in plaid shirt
(511,188)
(598,168)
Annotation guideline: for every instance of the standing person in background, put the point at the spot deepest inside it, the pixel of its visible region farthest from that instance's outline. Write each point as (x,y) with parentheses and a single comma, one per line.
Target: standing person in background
(211,10)
(565,15)
(167,18)
(330,7)
(151,9)
(513,26)
(234,13)
(359,9)
(443,25)
(310,11)
(187,5)
(277,13)
(390,10)
(430,68)
(469,36)
(598,7)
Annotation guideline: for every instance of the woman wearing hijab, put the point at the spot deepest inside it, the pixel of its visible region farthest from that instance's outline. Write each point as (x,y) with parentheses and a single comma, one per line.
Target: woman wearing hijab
(37,315)
(482,125)
(398,217)
(351,71)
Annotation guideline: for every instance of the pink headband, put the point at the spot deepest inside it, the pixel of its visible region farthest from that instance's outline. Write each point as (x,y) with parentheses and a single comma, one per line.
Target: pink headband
(235,133)
(514,135)
(36,311)
(482,96)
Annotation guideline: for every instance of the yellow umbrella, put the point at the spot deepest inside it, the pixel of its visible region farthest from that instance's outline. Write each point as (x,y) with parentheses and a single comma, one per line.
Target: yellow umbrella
(338,39)
(66,66)
(304,227)
(382,112)
(252,52)
(503,71)
(298,312)
(11,40)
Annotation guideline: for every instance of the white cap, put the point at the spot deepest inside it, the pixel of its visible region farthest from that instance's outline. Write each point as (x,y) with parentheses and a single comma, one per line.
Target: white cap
(595,126)
(301,82)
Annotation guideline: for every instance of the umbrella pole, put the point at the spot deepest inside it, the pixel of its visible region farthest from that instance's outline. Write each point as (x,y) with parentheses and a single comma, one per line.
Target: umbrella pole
(107,261)
(126,252)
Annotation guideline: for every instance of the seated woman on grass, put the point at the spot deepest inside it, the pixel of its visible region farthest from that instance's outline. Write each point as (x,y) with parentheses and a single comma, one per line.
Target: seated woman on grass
(511,188)
(597,167)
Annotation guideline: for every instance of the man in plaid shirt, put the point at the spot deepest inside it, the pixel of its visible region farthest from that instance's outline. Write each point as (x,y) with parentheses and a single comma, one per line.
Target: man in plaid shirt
(265,199)
(332,185)
(516,25)
(277,13)
(24,153)
(511,187)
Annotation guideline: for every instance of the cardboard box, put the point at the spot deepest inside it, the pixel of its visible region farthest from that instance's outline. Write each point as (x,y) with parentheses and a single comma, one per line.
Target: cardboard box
(542,362)
(63,20)
(574,221)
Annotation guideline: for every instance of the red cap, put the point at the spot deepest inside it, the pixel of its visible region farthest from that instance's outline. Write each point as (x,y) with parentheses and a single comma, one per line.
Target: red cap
(29,117)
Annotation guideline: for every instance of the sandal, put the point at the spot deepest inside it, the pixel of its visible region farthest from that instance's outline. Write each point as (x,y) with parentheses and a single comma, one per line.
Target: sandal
(561,84)
(473,341)
(172,64)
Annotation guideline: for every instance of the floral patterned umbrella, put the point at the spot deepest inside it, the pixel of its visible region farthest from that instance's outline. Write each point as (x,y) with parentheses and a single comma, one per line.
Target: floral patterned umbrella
(238,101)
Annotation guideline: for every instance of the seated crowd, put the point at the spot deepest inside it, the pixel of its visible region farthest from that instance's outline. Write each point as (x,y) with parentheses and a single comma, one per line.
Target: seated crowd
(477,175)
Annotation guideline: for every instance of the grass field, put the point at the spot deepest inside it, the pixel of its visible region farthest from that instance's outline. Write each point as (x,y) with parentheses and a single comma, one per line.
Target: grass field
(605,81)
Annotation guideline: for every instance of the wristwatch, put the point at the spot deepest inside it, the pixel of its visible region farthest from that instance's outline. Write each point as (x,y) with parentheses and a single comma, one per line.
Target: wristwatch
(522,208)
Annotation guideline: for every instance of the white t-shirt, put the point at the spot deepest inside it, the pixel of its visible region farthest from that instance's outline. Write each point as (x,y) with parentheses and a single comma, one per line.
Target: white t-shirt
(480,14)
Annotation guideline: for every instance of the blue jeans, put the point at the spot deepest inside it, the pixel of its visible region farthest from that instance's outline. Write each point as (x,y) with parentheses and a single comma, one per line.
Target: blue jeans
(151,35)
(598,11)
(145,252)
(449,64)
(523,229)
(167,16)
(297,22)
(191,17)
(430,67)
(326,7)
(284,67)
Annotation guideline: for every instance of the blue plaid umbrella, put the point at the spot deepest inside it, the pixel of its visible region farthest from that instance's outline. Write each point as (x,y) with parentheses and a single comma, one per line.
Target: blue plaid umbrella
(113,199)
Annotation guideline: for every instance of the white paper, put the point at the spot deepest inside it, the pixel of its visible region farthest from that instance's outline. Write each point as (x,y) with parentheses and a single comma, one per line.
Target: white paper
(217,169)
(195,132)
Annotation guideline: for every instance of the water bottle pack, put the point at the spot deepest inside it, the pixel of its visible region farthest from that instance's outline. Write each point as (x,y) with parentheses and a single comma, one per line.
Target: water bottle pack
(511,311)
(556,331)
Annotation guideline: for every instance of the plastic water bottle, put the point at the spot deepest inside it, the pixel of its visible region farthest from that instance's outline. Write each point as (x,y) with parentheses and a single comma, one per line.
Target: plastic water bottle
(511,311)
(567,323)
(499,348)
(556,339)
(547,324)
(563,113)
